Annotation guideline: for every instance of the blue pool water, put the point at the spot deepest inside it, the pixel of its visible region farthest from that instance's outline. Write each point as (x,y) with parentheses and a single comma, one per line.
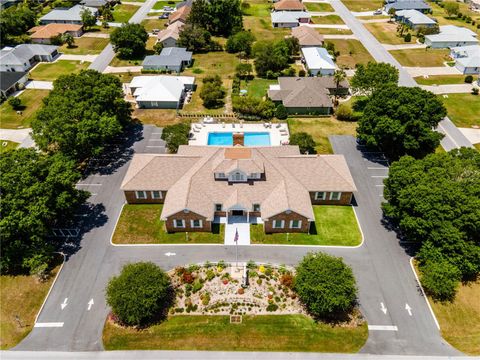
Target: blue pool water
(251,139)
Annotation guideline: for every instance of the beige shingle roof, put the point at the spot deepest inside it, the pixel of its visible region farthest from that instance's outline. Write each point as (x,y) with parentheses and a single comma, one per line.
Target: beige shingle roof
(289,5)
(172,31)
(307,36)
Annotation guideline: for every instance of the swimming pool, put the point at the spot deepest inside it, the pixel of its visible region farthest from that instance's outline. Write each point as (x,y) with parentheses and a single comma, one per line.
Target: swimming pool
(250,139)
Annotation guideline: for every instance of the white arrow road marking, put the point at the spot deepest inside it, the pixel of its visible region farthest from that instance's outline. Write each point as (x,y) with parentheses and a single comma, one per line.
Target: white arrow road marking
(48,324)
(90,304)
(64,304)
(383,308)
(170,254)
(409,309)
(382,327)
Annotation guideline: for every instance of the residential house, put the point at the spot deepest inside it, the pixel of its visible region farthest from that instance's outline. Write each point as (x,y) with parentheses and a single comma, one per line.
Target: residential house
(43,34)
(202,183)
(97,4)
(161,92)
(5,4)
(289,5)
(451,36)
(399,5)
(307,95)
(11,82)
(184,3)
(67,16)
(170,59)
(289,19)
(23,57)
(467,58)
(414,19)
(318,61)
(170,35)
(474,4)
(307,36)
(180,14)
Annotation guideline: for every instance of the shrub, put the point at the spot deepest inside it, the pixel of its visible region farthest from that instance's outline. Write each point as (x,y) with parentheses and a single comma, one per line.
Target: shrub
(141,293)
(469,79)
(187,277)
(281,112)
(210,274)
(197,286)
(251,265)
(205,299)
(272,307)
(440,279)
(326,285)
(475,91)
(304,141)
(344,112)
(302,73)
(407,37)
(287,280)
(240,291)
(175,135)
(15,103)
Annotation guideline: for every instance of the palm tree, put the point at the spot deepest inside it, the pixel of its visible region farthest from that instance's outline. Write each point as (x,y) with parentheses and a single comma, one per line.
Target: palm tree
(338,77)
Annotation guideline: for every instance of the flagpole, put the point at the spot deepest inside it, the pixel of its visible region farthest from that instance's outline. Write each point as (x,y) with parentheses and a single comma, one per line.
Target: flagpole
(236,249)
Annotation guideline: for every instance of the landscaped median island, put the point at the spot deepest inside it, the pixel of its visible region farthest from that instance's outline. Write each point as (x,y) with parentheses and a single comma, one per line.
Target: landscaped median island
(216,307)
(141,224)
(334,225)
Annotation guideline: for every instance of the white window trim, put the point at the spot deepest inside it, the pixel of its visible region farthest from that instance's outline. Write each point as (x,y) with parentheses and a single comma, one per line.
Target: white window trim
(297,227)
(282,224)
(339,195)
(144,193)
(156,198)
(196,227)
(175,223)
(324,196)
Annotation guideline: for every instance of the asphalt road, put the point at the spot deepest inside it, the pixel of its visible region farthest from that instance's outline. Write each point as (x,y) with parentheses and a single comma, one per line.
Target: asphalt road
(453,137)
(106,56)
(380,266)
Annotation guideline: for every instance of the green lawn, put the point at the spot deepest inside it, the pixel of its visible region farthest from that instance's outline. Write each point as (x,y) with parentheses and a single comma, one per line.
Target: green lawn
(150,24)
(352,52)
(6,145)
(85,46)
(334,225)
(362,5)
(442,18)
(257,19)
(160,4)
(255,333)
(386,33)
(321,128)
(329,31)
(122,13)
(328,19)
(51,71)
(257,87)
(319,7)
(22,296)
(463,109)
(31,100)
(141,224)
(422,57)
(440,80)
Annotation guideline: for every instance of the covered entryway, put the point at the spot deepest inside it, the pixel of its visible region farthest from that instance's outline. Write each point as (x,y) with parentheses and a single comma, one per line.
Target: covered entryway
(237,213)
(237,223)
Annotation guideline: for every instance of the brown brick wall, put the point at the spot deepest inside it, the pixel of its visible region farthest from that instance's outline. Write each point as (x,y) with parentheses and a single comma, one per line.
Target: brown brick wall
(345,199)
(268,226)
(207,225)
(131,198)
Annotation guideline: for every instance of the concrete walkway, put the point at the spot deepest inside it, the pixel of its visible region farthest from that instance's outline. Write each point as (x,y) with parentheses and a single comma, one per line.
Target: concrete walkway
(122,69)
(39,85)
(240,224)
(472,134)
(449,89)
(404,46)
(132,3)
(427,71)
(96,35)
(15,135)
(87,58)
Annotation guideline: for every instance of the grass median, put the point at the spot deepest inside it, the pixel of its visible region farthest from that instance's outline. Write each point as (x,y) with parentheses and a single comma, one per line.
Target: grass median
(31,102)
(463,109)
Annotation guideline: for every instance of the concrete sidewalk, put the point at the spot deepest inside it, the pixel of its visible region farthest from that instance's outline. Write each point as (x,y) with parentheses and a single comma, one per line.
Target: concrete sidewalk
(240,224)
(449,89)
(426,71)
(404,46)
(15,135)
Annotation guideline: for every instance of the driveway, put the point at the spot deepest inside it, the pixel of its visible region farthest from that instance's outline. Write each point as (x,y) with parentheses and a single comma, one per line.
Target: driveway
(404,46)
(427,71)
(87,58)
(449,89)
(39,85)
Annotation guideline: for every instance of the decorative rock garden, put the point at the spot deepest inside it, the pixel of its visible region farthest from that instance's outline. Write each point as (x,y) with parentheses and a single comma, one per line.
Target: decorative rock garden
(221,289)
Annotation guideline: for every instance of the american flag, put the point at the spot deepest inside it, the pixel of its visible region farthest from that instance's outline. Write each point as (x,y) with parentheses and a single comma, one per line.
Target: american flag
(236,236)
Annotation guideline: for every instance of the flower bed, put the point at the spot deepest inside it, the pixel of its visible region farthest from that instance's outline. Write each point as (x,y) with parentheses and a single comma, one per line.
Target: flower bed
(217,289)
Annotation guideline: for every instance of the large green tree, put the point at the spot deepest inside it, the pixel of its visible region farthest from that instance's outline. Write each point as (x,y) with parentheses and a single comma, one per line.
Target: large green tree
(81,114)
(326,285)
(435,201)
(400,121)
(129,41)
(140,294)
(271,57)
(304,141)
(213,92)
(241,42)
(88,18)
(372,76)
(37,191)
(196,39)
(175,135)
(14,23)
(219,17)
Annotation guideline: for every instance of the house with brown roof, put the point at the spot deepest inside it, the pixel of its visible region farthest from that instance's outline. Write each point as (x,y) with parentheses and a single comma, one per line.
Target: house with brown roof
(307,95)
(170,35)
(43,34)
(289,5)
(180,14)
(307,36)
(200,184)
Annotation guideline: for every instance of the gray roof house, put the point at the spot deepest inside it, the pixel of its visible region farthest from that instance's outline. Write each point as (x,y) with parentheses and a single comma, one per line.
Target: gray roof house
(307,95)
(22,57)
(467,58)
(414,19)
(10,81)
(170,59)
(94,3)
(66,16)
(289,19)
(451,36)
(398,5)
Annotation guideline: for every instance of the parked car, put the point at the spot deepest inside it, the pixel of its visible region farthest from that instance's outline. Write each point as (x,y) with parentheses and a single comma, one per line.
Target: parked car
(155,31)
(378,12)
(168,8)
(164,16)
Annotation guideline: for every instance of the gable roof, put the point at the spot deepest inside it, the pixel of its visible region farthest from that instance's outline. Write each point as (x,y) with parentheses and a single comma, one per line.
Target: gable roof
(307,36)
(171,56)
(10,78)
(288,16)
(468,56)
(289,5)
(318,58)
(21,54)
(181,14)
(163,88)
(407,5)
(72,14)
(50,30)
(172,31)
(415,17)
(452,33)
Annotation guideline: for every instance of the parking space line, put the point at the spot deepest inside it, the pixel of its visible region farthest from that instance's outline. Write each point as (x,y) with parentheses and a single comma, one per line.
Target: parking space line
(48,324)
(377,168)
(380,185)
(382,328)
(379,176)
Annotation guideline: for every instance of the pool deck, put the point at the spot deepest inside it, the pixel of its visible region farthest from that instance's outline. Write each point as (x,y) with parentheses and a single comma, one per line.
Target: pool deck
(279,134)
